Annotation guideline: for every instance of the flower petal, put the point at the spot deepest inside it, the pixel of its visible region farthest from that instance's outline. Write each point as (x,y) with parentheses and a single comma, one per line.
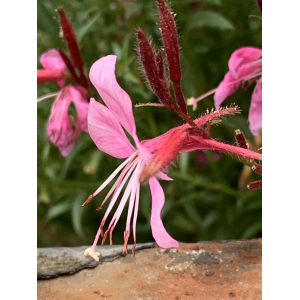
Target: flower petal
(226,87)
(59,129)
(78,95)
(102,75)
(106,131)
(242,56)
(162,238)
(255,111)
(51,60)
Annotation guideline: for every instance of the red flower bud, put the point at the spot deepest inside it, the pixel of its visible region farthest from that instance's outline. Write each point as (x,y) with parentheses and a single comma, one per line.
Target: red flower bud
(170,39)
(254,185)
(70,38)
(169,34)
(77,61)
(154,69)
(240,139)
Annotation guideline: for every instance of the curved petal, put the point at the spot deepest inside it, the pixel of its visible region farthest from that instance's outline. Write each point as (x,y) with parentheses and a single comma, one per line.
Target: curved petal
(226,87)
(102,75)
(59,129)
(162,238)
(82,106)
(255,111)
(242,56)
(106,131)
(51,60)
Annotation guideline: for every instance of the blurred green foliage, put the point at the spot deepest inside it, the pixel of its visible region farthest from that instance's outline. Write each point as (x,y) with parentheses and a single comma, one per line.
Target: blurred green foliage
(208,198)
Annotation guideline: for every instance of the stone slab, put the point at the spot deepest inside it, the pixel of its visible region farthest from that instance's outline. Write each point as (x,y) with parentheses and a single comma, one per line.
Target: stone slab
(204,270)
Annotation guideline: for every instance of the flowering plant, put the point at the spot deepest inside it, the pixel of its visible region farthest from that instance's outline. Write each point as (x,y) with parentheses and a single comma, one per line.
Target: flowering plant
(159,151)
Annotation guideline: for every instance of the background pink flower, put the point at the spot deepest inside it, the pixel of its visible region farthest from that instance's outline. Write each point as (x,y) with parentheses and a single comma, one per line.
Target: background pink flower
(245,64)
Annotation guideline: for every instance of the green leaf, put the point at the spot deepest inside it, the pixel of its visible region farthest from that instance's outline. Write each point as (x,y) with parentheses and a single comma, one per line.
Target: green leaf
(209,19)
(85,28)
(251,231)
(117,50)
(58,210)
(46,20)
(213,2)
(77,211)
(184,161)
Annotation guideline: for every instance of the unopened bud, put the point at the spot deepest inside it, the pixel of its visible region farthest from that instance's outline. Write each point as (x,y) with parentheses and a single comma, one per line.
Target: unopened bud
(241,139)
(165,155)
(70,38)
(257,169)
(255,185)
(169,34)
(170,39)
(152,70)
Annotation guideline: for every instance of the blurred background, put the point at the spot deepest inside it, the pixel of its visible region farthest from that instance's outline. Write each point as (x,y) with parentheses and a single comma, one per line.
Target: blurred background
(208,199)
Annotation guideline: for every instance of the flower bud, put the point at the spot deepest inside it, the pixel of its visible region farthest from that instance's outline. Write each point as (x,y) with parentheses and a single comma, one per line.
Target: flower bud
(153,69)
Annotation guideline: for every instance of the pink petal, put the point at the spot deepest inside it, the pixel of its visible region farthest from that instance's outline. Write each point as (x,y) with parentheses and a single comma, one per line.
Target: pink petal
(106,131)
(51,60)
(226,87)
(81,103)
(242,56)
(59,129)
(162,238)
(102,75)
(255,111)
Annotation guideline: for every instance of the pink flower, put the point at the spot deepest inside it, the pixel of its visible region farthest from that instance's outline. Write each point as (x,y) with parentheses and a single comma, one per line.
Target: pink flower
(245,68)
(245,64)
(105,128)
(63,129)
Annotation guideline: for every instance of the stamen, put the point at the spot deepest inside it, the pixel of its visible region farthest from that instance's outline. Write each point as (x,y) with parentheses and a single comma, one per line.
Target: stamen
(118,182)
(133,247)
(110,178)
(99,232)
(47,96)
(126,237)
(129,189)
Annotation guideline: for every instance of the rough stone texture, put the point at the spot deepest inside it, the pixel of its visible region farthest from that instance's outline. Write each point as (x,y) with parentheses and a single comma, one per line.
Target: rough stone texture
(205,270)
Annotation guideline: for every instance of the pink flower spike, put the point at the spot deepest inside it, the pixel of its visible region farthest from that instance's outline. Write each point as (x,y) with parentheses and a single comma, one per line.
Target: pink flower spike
(51,60)
(162,238)
(102,75)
